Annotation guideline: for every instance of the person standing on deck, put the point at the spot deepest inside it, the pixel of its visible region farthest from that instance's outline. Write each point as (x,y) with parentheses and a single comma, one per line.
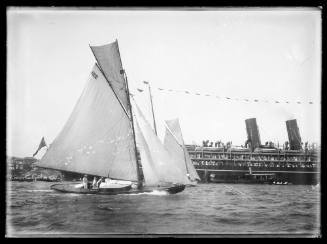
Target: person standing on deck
(85,182)
(100,181)
(94,183)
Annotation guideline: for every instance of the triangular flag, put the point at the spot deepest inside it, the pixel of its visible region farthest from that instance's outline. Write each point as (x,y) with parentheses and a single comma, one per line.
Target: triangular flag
(42,144)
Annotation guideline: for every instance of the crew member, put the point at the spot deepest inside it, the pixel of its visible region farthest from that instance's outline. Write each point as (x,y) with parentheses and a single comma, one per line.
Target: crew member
(85,182)
(99,182)
(94,183)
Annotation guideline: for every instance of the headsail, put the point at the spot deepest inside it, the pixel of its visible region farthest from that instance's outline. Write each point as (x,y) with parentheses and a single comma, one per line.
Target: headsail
(108,58)
(157,164)
(97,139)
(174,143)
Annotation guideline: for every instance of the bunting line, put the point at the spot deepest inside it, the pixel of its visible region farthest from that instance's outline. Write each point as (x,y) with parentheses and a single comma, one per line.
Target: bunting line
(232,99)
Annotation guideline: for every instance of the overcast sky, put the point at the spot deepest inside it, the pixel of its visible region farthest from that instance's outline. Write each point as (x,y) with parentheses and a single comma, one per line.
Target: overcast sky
(259,54)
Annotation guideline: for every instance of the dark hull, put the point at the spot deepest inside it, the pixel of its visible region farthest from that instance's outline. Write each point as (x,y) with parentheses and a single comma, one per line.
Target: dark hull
(240,181)
(294,178)
(69,188)
(25,180)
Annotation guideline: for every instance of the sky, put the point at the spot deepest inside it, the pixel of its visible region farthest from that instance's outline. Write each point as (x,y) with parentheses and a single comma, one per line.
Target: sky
(245,53)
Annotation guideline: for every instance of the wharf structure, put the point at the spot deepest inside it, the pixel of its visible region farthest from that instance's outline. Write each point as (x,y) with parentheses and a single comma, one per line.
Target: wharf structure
(256,163)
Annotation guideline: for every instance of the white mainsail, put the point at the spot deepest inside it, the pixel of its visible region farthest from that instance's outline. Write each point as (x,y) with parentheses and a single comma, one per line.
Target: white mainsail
(157,164)
(98,138)
(174,143)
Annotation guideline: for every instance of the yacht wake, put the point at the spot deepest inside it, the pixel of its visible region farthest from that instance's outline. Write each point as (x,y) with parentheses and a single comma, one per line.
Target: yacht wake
(152,193)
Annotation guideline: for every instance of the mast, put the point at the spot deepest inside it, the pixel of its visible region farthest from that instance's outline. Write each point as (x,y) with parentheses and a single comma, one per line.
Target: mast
(139,182)
(154,121)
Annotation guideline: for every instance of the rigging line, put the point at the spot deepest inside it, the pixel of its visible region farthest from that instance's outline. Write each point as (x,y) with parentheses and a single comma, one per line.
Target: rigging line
(154,121)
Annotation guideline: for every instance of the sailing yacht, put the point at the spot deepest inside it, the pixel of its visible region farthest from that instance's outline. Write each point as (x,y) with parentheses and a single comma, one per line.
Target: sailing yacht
(104,134)
(174,143)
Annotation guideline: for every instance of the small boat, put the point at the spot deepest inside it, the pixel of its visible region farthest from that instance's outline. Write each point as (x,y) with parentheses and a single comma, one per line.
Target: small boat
(105,136)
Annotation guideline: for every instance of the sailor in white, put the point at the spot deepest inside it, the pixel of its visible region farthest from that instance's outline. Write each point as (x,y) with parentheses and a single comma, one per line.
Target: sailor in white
(85,182)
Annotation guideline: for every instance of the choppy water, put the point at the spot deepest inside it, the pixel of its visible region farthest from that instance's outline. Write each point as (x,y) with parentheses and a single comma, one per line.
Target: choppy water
(32,208)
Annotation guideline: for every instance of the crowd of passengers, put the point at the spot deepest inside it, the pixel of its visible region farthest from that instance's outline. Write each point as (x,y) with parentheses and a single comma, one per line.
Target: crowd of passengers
(253,157)
(217,165)
(247,144)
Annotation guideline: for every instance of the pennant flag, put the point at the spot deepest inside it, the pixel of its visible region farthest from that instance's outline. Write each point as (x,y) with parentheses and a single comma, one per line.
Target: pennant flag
(140,90)
(42,144)
(145,82)
(229,98)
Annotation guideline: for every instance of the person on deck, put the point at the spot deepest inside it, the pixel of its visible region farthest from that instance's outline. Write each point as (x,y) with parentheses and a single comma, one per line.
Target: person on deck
(85,182)
(94,183)
(100,181)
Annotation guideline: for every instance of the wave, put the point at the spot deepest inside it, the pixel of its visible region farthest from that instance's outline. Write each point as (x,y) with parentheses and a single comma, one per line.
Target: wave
(300,214)
(36,190)
(230,193)
(22,203)
(104,207)
(152,193)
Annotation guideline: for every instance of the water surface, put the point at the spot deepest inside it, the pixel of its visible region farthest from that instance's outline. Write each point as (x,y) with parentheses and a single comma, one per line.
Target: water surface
(32,208)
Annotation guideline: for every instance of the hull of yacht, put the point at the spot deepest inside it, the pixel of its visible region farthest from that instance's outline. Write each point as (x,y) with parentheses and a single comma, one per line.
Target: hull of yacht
(115,189)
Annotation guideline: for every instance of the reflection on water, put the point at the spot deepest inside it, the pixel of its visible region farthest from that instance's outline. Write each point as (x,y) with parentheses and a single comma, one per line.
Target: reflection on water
(32,208)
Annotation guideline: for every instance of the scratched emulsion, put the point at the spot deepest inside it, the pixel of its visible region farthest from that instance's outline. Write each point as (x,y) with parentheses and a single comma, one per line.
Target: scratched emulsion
(208,208)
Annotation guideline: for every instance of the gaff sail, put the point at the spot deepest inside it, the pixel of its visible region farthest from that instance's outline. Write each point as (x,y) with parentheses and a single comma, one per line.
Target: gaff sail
(97,139)
(108,58)
(157,164)
(174,143)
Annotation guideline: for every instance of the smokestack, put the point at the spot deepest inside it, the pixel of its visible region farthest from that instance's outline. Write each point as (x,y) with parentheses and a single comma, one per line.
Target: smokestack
(294,137)
(253,133)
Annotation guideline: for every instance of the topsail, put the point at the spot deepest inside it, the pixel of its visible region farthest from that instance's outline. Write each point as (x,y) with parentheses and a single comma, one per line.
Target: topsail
(108,58)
